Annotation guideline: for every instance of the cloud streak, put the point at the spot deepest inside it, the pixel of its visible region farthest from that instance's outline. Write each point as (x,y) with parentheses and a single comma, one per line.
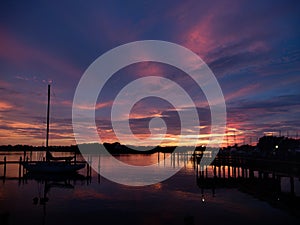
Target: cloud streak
(253,49)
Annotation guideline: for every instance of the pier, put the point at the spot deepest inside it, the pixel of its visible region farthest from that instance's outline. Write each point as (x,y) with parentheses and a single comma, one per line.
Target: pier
(22,171)
(260,178)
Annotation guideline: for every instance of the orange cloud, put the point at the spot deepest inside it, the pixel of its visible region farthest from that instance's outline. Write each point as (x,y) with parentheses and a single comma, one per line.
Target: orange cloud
(99,105)
(4,106)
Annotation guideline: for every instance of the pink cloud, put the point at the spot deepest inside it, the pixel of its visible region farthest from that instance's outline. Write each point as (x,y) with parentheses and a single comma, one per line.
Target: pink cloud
(4,84)
(212,31)
(16,51)
(243,92)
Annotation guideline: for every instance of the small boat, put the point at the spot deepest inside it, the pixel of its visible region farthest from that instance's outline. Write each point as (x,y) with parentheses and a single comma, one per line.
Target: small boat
(53,164)
(54,177)
(52,167)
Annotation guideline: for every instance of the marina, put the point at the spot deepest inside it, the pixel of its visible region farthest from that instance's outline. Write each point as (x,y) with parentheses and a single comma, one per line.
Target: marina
(149,112)
(201,192)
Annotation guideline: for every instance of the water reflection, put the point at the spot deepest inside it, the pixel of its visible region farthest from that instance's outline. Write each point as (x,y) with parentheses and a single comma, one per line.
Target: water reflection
(47,182)
(264,185)
(212,194)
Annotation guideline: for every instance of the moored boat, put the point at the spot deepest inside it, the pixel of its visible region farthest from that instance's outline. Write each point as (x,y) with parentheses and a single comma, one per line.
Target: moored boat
(53,164)
(52,167)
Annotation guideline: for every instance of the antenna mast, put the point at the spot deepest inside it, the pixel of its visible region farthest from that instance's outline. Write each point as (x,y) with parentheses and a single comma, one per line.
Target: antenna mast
(48,112)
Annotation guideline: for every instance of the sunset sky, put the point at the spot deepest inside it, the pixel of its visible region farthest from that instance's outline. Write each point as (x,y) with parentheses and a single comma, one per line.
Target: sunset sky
(252,48)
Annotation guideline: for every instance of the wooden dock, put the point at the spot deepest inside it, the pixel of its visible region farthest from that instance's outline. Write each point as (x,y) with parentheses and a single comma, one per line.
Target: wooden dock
(23,171)
(255,164)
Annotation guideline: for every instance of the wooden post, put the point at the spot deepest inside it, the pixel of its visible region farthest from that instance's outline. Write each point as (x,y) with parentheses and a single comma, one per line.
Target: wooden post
(24,167)
(173,160)
(20,166)
(202,171)
(234,172)
(99,169)
(4,172)
(278,179)
(91,167)
(197,169)
(87,167)
(194,159)
(87,170)
(251,174)
(292,186)
(215,171)
(228,171)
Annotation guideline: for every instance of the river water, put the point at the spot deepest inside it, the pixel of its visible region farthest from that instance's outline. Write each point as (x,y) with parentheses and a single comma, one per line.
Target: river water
(181,199)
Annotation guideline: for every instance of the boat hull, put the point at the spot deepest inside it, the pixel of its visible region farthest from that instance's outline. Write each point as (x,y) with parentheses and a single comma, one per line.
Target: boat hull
(52,167)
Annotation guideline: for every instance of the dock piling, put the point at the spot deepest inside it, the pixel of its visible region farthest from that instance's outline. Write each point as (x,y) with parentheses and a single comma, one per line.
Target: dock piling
(4,169)
(20,163)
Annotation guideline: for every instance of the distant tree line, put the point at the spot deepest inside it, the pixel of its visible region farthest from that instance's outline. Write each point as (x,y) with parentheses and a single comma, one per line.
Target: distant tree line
(267,146)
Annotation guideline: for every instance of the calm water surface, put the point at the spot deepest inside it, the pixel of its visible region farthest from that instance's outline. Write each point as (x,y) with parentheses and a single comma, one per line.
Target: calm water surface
(178,200)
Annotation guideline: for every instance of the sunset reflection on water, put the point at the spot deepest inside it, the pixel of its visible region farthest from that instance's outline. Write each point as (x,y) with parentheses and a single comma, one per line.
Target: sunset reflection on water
(98,200)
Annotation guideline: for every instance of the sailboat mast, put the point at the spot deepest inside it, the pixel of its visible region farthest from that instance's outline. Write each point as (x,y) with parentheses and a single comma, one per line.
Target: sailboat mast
(48,112)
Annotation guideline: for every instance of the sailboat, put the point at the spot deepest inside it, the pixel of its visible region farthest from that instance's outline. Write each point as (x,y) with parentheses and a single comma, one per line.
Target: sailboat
(53,164)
